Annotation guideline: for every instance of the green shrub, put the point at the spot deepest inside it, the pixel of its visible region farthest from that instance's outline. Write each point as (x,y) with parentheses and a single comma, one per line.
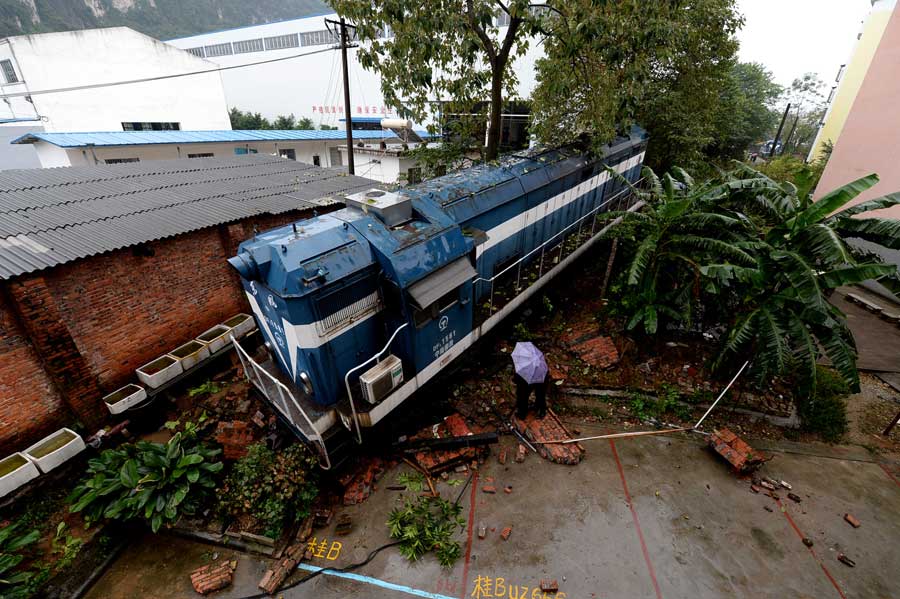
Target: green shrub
(151,481)
(277,489)
(427,524)
(825,411)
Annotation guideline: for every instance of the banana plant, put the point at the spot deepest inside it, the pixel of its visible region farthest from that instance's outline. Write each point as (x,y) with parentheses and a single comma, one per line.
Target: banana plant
(151,481)
(783,317)
(679,230)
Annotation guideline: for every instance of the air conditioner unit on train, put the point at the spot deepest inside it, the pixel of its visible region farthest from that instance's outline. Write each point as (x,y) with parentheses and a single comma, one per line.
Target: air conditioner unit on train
(381,379)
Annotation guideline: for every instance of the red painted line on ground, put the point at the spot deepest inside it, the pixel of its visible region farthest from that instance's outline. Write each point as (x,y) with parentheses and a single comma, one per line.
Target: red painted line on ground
(890,476)
(811,550)
(465,580)
(634,516)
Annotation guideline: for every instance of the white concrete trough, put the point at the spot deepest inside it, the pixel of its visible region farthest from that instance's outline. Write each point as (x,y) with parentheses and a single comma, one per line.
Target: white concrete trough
(51,451)
(15,471)
(160,370)
(121,399)
(240,325)
(215,338)
(190,354)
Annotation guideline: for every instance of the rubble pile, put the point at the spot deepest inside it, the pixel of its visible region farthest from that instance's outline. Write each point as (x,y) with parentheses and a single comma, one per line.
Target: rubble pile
(437,461)
(549,428)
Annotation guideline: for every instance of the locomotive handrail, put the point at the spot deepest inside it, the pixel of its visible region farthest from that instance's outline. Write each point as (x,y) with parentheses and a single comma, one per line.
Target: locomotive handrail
(282,389)
(543,245)
(354,369)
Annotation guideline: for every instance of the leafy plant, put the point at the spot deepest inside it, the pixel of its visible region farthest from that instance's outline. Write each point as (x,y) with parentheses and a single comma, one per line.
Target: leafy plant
(427,524)
(66,545)
(15,579)
(207,388)
(150,481)
(413,481)
(276,489)
(521,332)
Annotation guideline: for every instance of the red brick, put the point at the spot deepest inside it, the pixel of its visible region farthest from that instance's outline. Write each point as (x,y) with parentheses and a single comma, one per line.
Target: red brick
(600,351)
(504,534)
(502,456)
(490,489)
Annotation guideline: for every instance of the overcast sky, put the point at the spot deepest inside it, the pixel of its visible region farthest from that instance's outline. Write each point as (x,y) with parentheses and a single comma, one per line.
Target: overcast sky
(793,37)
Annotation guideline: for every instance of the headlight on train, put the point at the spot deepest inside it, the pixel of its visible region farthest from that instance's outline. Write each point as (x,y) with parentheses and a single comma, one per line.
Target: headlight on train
(305,383)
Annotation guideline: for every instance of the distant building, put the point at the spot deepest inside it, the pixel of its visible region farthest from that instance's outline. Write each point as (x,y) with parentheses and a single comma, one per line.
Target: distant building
(33,65)
(379,153)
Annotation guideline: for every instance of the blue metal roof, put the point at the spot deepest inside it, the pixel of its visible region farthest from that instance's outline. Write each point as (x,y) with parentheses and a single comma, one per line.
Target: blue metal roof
(127,138)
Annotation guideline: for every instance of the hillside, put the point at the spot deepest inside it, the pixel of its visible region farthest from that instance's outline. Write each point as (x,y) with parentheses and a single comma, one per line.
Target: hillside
(162,19)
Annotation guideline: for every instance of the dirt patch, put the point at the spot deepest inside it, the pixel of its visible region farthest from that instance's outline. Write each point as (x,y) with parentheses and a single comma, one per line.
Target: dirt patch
(869,412)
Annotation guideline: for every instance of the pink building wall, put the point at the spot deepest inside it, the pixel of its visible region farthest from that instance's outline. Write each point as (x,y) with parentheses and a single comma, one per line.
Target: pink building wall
(870,140)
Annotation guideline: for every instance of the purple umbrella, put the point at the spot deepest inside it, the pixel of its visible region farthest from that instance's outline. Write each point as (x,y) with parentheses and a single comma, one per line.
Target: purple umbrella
(529,362)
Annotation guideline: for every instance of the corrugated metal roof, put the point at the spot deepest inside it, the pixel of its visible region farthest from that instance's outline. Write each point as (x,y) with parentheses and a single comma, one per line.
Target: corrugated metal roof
(53,216)
(130,138)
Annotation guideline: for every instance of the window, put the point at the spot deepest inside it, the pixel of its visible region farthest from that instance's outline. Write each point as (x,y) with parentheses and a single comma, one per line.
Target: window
(218,49)
(139,126)
(9,73)
(280,42)
(289,153)
(202,155)
(840,74)
(318,38)
(197,52)
(121,160)
(242,151)
(317,161)
(249,46)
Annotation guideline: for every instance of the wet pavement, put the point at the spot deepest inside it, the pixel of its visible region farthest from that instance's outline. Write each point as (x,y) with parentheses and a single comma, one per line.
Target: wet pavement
(647,517)
(877,341)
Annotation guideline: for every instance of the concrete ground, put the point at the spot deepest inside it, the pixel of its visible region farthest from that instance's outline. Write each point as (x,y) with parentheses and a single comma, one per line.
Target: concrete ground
(648,517)
(877,341)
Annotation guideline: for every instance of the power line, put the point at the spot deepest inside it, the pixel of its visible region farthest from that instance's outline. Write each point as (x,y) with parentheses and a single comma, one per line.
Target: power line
(161,77)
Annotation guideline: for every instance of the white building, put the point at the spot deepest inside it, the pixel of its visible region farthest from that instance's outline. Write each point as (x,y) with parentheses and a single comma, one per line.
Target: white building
(32,66)
(309,86)
(378,154)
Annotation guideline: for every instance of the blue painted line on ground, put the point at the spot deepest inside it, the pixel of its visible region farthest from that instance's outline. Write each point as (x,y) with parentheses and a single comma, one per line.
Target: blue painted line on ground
(374,581)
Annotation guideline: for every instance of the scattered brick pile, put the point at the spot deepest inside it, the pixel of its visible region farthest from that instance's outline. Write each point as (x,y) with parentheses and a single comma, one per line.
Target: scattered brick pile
(435,462)
(210,577)
(550,428)
(296,551)
(599,352)
(736,452)
(359,482)
(234,437)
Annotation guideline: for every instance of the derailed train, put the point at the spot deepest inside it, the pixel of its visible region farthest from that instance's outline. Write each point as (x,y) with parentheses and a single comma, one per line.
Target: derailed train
(362,306)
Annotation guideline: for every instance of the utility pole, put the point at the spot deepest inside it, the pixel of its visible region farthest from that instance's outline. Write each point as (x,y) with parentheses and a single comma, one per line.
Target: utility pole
(790,136)
(345,43)
(780,127)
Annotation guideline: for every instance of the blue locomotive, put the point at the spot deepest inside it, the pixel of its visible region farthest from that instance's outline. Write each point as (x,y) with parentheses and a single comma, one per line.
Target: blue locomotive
(362,306)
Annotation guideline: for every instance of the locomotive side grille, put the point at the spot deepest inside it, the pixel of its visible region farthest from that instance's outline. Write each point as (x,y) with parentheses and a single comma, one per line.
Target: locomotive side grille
(342,316)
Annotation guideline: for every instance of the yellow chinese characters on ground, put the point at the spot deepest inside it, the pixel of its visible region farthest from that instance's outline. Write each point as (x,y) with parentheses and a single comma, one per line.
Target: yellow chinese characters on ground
(324,549)
(498,588)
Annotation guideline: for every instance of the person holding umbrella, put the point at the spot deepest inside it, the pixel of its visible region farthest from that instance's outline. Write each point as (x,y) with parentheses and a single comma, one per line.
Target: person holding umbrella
(531,375)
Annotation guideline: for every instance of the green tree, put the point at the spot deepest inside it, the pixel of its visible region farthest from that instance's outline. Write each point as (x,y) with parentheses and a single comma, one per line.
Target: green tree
(661,64)
(247,120)
(305,123)
(285,122)
(444,50)
(808,105)
(745,113)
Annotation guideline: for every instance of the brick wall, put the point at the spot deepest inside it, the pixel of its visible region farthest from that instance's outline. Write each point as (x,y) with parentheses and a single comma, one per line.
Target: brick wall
(86,325)
(30,406)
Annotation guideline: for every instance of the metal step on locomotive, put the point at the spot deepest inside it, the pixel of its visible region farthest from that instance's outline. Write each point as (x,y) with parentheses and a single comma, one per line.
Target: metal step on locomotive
(361,307)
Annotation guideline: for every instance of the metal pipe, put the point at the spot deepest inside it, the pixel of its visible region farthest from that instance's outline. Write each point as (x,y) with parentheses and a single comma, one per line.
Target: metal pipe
(722,394)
